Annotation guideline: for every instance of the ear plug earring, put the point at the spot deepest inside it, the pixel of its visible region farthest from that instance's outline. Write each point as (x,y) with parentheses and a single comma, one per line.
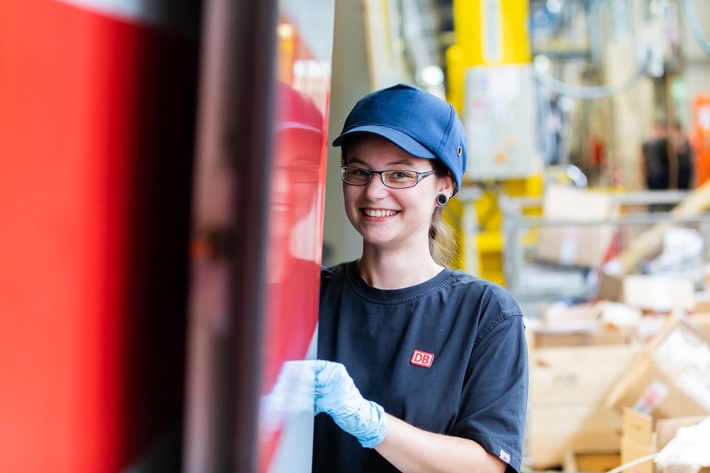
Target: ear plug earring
(442,199)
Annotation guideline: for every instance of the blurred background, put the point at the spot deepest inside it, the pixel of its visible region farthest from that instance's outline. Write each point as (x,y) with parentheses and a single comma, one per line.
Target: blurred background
(168,194)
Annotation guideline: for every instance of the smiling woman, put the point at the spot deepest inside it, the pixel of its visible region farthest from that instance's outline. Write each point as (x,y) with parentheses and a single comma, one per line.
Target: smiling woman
(431,361)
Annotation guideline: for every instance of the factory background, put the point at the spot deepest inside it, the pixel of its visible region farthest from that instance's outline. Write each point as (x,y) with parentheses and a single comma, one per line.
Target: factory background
(168,194)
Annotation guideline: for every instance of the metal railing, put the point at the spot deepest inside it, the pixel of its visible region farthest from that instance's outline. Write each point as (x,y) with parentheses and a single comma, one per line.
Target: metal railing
(546,260)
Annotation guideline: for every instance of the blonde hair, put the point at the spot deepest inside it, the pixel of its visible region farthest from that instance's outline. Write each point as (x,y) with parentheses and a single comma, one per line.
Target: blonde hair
(442,237)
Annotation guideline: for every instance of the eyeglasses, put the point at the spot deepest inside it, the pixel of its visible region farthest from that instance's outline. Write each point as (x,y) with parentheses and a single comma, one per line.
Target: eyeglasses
(396,179)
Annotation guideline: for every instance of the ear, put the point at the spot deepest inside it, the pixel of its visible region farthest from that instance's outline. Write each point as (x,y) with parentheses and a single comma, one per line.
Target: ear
(446,185)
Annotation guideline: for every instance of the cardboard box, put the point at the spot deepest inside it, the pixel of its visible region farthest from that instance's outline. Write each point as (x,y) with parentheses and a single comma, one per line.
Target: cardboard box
(653,293)
(701,323)
(610,287)
(552,432)
(702,302)
(642,436)
(591,462)
(672,379)
(576,244)
(568,388)
(658,293)
(550,338)
(578,376)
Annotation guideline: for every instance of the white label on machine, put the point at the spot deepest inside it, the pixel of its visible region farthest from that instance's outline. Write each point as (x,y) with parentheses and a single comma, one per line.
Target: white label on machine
(499,117)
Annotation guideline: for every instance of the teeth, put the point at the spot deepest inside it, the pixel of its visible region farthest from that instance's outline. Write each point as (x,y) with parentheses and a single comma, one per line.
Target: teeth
(379,213)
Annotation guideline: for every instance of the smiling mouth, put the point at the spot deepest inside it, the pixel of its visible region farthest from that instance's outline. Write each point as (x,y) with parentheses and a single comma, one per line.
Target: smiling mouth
(379,213)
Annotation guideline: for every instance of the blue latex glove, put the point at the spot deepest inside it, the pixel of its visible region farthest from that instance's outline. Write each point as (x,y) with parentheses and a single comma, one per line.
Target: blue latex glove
(337,396)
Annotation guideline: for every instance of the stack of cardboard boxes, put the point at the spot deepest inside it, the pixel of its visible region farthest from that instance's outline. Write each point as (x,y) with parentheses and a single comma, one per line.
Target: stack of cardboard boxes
(567,411)
(611,378)
(579,393)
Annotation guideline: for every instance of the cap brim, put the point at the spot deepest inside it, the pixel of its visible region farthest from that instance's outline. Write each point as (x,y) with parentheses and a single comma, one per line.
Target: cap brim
(404,141)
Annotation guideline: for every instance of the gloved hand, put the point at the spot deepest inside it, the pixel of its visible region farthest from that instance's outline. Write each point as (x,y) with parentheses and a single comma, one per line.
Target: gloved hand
(337,396)
(291,395)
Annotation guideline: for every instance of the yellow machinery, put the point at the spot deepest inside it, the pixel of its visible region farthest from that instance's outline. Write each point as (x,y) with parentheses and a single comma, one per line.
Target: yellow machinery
(490,83)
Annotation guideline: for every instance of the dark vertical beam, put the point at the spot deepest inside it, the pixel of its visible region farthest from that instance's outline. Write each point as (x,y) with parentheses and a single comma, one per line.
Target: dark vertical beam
(248,128)
(236,127)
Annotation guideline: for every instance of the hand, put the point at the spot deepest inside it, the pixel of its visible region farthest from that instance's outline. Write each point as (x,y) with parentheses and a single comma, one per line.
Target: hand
(337,396)
(292,394)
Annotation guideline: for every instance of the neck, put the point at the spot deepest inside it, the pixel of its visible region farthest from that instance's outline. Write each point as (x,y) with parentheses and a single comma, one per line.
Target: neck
(396,270)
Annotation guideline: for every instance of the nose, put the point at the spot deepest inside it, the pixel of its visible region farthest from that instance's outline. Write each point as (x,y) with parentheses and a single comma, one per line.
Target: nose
(376,186)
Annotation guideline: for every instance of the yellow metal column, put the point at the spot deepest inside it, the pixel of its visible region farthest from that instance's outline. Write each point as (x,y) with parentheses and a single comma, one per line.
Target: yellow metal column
(489,34)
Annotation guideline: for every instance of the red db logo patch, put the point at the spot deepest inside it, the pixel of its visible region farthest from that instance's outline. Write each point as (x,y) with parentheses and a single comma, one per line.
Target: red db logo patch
(422,358)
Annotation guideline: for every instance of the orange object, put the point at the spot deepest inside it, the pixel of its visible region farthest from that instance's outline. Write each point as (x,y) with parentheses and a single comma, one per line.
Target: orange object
(701,138)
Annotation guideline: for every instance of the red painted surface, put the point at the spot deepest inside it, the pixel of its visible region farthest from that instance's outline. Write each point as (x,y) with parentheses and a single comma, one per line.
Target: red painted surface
(92,184)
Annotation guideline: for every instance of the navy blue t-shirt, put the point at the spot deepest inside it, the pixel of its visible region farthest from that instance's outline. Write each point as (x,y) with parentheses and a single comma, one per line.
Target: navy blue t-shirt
(447,356)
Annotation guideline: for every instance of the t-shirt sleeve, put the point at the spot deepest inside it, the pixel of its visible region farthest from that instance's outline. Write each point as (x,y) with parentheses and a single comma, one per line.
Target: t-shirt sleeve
(494,396)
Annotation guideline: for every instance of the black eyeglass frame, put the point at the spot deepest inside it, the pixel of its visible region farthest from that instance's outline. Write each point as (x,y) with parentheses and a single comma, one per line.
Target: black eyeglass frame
(420,176)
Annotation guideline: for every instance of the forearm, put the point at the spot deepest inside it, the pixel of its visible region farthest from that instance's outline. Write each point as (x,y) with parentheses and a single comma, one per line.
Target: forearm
(412,450)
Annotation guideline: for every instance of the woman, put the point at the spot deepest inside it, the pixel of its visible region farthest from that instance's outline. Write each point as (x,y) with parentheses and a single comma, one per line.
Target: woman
(427,366)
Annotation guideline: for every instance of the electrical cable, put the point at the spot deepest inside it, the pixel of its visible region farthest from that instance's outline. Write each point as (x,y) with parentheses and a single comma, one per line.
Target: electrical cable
(631,463)
(697,30)
(587,92)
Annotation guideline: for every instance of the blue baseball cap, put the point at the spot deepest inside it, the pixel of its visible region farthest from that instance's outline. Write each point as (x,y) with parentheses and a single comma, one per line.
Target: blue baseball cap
(417,121)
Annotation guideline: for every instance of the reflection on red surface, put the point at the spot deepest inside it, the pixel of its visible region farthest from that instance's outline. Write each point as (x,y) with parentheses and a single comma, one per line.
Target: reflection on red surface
(295,238)
(295,220)
(295,232)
